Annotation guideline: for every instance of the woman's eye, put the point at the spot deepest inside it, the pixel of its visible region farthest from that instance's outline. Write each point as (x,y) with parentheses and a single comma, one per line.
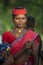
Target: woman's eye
(17,18)
(23,18)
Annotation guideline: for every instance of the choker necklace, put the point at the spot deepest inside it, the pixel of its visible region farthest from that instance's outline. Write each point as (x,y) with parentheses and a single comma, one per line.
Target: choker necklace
(19,31)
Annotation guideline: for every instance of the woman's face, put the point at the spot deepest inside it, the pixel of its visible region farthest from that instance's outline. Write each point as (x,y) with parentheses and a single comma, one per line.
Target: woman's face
(20,21)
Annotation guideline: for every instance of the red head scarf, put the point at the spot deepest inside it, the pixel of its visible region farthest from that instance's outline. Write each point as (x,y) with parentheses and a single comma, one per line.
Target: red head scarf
(19,11)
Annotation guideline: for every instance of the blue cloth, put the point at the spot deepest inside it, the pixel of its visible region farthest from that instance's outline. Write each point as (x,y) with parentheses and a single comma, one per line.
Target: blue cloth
(3,47)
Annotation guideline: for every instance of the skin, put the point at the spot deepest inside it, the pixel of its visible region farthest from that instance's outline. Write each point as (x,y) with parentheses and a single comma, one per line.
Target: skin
(20,21)
(21,55)
(35,52)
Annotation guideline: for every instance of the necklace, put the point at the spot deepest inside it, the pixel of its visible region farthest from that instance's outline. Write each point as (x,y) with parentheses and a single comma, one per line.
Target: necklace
(20,31)
(17,33)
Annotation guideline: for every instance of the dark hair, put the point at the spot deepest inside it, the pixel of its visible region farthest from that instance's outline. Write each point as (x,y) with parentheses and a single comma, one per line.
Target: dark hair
(17,8)
(42,55)
(13,16)
(30,22)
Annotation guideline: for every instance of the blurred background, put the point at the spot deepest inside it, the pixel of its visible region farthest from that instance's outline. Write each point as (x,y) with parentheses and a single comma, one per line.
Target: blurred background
(34,8)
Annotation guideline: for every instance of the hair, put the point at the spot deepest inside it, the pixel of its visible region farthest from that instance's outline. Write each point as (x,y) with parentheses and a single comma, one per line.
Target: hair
(19,7)
(13,16)
(30,22)
(42,55)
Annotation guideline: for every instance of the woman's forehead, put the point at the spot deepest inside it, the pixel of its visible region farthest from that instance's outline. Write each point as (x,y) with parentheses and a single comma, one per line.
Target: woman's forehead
(20,15)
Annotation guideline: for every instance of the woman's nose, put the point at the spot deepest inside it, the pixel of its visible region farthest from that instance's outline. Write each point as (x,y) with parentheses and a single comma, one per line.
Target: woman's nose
(20,20)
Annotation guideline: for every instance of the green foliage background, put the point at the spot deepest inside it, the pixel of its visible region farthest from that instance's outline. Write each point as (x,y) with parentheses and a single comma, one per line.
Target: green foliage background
(34,8)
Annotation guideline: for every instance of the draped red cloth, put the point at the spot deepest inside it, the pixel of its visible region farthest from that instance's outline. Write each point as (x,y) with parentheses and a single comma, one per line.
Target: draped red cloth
(8,37)
(15,47)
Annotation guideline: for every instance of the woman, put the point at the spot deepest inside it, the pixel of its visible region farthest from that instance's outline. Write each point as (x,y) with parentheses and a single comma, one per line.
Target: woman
(21,40)
(19,19)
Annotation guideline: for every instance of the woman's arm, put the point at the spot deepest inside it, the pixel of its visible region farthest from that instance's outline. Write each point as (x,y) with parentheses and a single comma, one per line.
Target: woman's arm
(35,52)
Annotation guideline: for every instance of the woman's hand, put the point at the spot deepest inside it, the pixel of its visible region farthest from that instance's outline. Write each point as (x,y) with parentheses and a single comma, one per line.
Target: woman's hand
(9,60)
